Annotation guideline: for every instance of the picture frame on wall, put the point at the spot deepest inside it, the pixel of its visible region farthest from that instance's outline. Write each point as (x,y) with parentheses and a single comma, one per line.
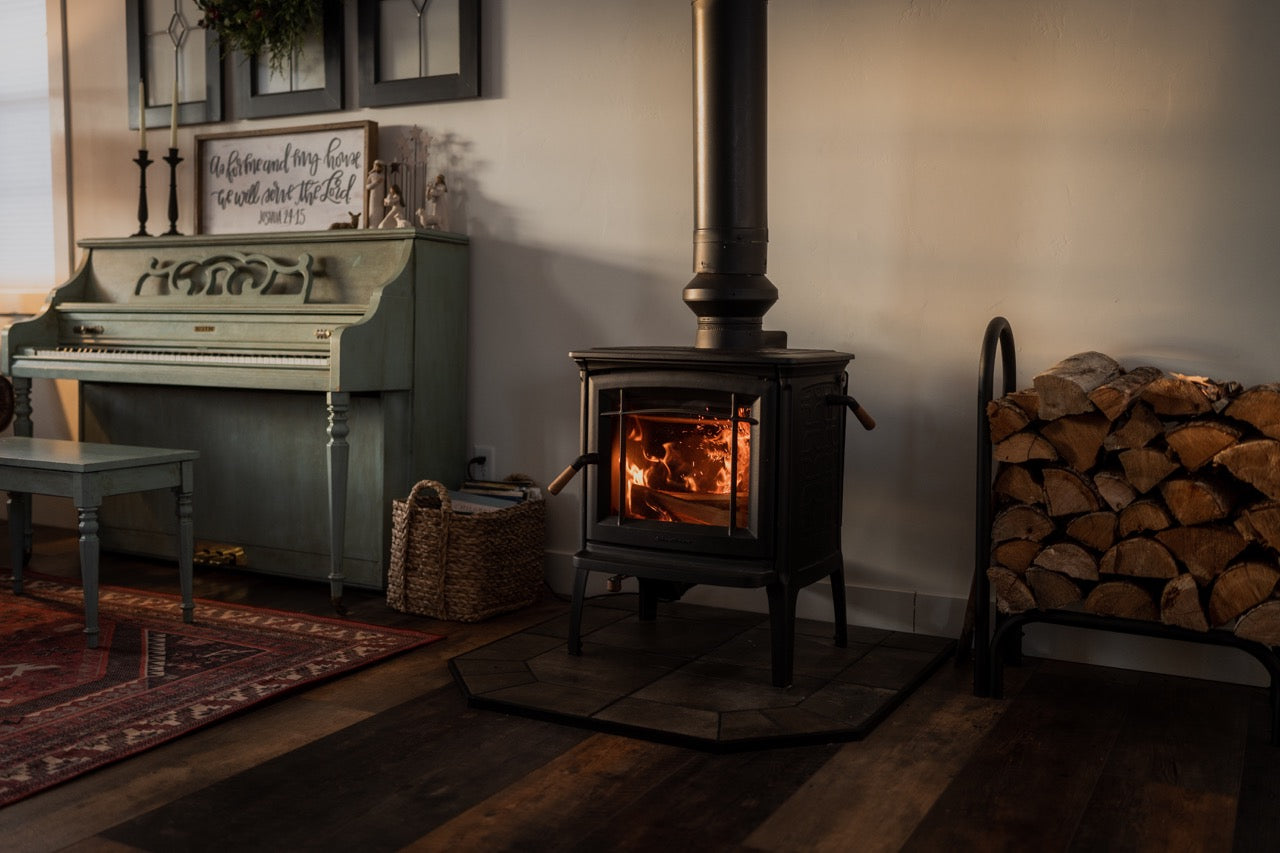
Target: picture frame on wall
(285,179)
(418,51)
(312,82)
(168,50)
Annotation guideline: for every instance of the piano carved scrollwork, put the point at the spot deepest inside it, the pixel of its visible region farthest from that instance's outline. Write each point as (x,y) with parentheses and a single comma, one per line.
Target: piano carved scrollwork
(228,274)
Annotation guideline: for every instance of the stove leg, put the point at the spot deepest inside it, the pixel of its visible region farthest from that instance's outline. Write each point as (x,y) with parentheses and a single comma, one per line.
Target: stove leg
(575,612)
(838,602)
(648,609)
(782,631)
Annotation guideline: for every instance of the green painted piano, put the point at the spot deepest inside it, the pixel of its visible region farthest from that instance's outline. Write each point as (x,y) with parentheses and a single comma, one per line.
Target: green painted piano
(319,374)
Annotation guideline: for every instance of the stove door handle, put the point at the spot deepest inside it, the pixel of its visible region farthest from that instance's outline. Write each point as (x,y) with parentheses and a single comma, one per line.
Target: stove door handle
(863,416)
(569,473)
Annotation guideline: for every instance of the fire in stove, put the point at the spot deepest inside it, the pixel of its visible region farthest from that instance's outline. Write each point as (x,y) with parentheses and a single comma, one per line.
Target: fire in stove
(691,470)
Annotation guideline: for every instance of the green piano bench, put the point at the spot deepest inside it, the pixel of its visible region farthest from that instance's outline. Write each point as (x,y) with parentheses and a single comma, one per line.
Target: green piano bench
(87,473)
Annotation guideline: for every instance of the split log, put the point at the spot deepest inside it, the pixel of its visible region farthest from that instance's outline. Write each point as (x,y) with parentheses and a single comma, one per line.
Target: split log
(1096,530)
(1123,599)
(1115,397)
(1052,590)
(1064,388)
(1180,604)
(1140,558)
(1240,588)
(1260,523)
(1145,467)
(1254,462)
(1174,395)
(1115,489)
(1021,522)
(1016,483)
(1195,500)
(1067,558)
(1012,595)
(1077,438)
(1016,554)
(1262,624)
(1196,442)
(1204,551)
(1024,447)
(1259,407)
(1004,418)
(1026,399)
(1142,516)
(1138,430)
(1068,492)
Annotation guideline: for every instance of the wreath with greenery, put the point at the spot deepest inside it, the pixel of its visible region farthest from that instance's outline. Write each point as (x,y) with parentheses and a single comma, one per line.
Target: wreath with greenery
(276,29)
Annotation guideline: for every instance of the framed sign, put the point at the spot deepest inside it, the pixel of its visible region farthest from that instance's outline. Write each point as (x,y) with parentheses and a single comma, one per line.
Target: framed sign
(292,179)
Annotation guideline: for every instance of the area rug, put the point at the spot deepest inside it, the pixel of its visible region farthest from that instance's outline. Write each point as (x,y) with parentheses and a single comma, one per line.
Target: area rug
(699,676)
(66,709)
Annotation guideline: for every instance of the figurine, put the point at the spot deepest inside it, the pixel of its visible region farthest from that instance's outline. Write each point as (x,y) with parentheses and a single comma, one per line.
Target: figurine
(354,223)
(373,186)
(394,205)
(431,218)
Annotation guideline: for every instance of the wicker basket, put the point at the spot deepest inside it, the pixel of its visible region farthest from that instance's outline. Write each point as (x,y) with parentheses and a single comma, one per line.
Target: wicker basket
(463,567)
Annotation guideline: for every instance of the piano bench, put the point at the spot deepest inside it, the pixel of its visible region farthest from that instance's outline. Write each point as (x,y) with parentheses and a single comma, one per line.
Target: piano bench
(86,473)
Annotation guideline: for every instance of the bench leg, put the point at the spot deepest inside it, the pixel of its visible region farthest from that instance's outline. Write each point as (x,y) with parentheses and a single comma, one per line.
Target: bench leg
(19,508)
(89,570)
(186,544)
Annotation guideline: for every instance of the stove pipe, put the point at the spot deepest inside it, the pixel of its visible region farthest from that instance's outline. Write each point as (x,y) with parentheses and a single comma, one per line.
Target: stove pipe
(729,291)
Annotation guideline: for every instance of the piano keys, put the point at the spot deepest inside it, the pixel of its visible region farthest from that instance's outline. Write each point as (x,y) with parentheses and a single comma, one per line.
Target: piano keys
(320,375)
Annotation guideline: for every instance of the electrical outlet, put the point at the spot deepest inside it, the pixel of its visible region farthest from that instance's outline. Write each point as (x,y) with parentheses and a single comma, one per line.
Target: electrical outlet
(482,470)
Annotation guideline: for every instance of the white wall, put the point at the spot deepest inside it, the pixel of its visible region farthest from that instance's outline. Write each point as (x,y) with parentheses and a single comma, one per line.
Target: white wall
(1104,174)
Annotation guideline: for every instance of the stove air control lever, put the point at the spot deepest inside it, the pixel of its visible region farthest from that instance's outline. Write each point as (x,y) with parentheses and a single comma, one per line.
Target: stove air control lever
(863,416)
(569,473)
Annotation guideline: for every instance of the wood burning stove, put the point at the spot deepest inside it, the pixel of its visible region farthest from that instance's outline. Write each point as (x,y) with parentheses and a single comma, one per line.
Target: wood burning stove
(721,463)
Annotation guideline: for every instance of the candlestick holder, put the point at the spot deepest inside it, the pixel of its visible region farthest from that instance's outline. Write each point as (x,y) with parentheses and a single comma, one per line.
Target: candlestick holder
(173,160)
(143,162)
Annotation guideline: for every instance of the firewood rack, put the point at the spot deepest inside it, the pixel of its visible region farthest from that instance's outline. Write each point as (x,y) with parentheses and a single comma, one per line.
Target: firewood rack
(996,638)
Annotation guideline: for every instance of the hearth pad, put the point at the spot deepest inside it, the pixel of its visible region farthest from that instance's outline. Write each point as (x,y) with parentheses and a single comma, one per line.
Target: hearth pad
(698,676)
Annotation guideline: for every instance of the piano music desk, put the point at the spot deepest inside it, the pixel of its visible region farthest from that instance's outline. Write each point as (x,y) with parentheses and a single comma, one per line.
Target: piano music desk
(86,473)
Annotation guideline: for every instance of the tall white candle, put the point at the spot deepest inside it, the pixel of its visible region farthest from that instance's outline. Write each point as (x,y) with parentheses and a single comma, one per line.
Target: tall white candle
(142,116)
(173,107)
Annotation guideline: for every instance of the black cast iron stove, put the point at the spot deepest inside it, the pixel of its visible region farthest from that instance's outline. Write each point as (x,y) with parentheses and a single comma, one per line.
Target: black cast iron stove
(720,463)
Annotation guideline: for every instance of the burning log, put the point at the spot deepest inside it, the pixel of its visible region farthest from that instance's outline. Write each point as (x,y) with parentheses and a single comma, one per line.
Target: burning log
(689,508)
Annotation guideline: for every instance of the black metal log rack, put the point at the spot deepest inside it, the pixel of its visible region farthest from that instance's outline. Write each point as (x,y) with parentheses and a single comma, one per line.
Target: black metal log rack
(997,638)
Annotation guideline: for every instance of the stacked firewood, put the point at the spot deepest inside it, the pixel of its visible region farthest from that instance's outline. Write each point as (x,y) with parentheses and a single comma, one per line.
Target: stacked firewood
(1139,494)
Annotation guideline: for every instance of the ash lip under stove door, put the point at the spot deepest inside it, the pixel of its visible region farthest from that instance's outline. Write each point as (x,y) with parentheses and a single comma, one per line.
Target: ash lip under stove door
(686,462)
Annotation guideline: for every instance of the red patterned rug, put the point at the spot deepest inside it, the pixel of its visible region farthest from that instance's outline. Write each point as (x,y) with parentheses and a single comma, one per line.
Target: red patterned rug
(66,709)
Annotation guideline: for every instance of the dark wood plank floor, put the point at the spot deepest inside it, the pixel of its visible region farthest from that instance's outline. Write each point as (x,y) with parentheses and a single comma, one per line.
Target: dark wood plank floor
(1076,758)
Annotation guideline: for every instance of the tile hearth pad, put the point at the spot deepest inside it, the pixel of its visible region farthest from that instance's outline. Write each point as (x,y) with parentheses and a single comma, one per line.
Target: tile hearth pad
(698,676)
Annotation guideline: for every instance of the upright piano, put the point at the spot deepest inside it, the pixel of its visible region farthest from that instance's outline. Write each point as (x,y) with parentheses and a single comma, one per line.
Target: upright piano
(319,374)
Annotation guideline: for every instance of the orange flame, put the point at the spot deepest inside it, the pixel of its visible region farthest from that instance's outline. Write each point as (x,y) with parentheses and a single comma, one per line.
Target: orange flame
(682,469)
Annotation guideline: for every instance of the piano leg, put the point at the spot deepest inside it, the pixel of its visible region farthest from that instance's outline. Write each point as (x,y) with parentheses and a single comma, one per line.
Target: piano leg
(339,403)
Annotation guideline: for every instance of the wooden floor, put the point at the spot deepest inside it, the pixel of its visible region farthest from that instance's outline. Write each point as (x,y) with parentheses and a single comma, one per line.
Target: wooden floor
(1076,758)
